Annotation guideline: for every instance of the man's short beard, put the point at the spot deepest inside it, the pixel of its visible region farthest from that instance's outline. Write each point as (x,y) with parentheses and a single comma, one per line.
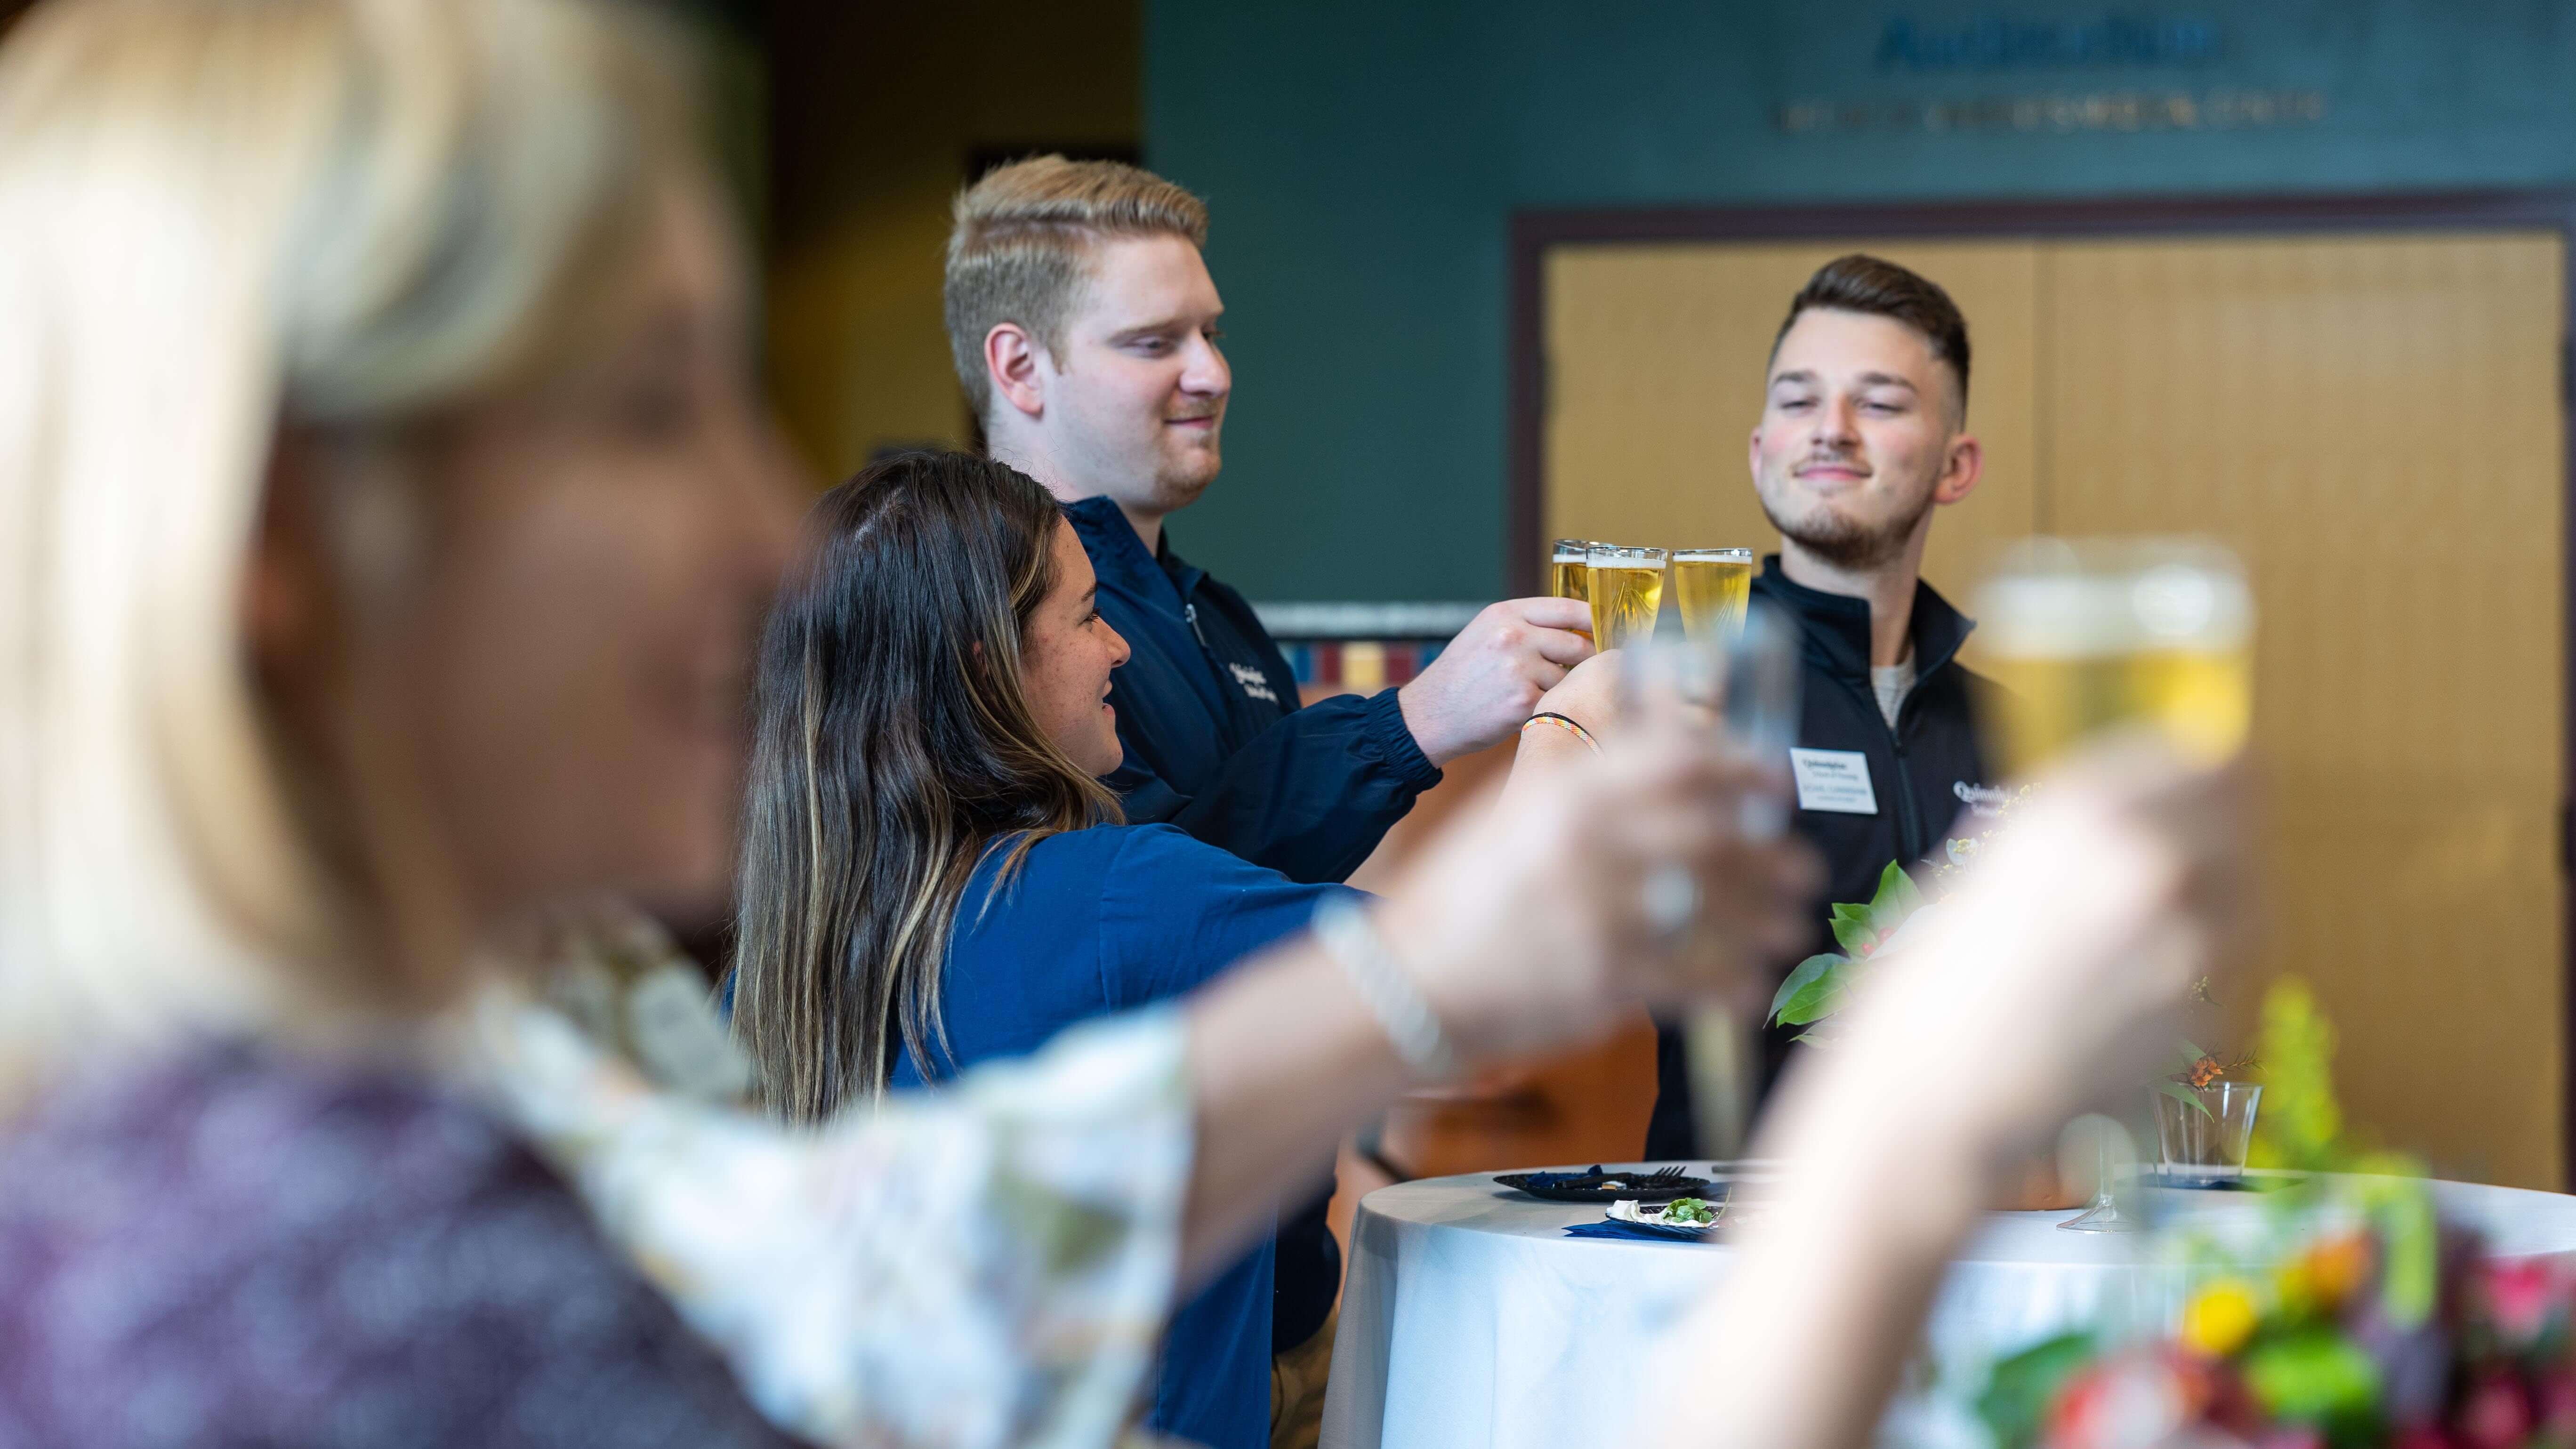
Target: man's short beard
(1171,494)
(1854,547)
(1176,489)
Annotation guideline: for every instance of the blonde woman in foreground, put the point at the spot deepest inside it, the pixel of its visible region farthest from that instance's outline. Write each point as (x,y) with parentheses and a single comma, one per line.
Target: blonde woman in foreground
(384,517)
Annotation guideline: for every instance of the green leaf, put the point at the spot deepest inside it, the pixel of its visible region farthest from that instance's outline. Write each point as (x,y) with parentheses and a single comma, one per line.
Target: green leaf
(2401,1205)
(2181,1093)
(2300,1125)
(1854,936)
(1897,895)
(1821,997)
(2191,1055)
(1806,972)
(2016,1400)
(2314,1376)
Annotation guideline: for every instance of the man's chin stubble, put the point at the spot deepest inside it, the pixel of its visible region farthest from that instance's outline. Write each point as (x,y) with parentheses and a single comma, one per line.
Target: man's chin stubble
(1847,545)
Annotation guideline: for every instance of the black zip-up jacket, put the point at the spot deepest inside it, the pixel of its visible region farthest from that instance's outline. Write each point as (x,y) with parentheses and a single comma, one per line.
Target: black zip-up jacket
(1218,745)
(1923,773)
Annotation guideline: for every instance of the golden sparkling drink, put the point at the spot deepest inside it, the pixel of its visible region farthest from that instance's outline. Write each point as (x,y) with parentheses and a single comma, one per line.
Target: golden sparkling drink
(1711,587)
(2084,638)
(2203,700)
(1569,569)
(1626,587)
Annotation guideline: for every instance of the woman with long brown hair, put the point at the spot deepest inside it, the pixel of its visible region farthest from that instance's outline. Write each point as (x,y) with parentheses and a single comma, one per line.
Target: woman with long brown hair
(923,886)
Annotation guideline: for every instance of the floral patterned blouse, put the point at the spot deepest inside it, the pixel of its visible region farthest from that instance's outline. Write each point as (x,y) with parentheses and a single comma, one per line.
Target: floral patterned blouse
(990,1265)
(246,1247)
(230,1247)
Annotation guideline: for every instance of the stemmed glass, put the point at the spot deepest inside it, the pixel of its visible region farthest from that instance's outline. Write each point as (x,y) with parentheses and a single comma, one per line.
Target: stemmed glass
(2103,1214)
(1743,682)
(2087,634)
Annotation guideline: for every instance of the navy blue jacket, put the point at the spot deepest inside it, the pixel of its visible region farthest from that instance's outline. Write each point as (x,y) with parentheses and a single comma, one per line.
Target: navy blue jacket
(1216,743)
(1923,774)
(1109,919)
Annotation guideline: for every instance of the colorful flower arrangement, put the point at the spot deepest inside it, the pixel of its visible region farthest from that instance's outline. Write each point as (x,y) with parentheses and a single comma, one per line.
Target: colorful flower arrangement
(2346,1316)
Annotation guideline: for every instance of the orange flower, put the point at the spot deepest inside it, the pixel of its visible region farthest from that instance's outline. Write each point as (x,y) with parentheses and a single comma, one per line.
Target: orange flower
(2320,1280)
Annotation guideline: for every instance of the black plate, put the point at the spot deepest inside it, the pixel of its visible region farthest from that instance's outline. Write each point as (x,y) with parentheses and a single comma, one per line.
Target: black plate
(1586,1186)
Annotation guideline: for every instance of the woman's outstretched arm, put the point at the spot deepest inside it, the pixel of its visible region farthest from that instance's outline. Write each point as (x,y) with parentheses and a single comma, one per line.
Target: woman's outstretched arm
(1523,929)
(2026,995)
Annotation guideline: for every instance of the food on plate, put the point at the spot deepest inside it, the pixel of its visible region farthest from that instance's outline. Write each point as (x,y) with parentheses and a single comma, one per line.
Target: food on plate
(1689,1213)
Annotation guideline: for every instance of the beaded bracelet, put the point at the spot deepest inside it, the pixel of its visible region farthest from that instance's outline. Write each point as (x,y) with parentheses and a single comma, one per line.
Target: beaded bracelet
(1351,939)
(1563,723)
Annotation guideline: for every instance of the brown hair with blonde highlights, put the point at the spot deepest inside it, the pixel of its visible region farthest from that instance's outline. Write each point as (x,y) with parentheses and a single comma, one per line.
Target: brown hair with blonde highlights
(893,748)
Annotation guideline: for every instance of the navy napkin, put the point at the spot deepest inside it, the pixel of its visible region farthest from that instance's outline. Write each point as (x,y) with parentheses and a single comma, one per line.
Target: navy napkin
(1647,1232)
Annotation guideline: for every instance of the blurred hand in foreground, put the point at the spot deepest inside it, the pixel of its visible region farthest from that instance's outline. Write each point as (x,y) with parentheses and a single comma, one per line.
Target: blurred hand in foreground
(1557,910)
(2035,989)
(2032,992)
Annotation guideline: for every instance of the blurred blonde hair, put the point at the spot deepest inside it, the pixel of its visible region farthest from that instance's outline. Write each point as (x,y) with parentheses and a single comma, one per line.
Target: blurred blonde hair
(1022,240)
(217,218)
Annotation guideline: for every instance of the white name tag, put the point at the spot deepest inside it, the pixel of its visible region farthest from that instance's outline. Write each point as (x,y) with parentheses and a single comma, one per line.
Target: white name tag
(1834,780)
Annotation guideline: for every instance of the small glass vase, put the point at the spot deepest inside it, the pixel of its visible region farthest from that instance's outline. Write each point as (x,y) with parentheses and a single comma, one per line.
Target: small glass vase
(2204,1145)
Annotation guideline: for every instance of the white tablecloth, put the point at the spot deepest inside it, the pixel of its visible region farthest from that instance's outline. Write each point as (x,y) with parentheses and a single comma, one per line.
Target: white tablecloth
(1470,1319)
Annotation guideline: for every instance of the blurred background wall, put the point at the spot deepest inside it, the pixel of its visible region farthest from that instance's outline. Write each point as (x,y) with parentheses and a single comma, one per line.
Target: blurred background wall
(882,112)
(1363,162)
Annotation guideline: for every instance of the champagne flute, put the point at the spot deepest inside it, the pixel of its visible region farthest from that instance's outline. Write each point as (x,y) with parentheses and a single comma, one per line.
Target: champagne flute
(1625,587)
(2086,635)
(1746,686)
(1569,568)
(1711,587)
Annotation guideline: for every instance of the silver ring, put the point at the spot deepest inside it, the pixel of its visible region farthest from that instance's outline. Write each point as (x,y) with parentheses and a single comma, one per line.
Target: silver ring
(1671,900)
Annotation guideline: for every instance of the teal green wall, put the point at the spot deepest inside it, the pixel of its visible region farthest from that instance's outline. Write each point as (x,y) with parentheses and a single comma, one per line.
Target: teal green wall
(1363,160)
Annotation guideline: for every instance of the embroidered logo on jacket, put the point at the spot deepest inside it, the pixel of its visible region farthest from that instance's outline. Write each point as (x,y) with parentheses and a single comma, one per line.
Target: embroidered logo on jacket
(1981,799)
(1255,684)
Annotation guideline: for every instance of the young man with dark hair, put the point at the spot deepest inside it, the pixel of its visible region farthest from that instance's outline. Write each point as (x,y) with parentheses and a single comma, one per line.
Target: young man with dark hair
(1084,326)
(1863,435)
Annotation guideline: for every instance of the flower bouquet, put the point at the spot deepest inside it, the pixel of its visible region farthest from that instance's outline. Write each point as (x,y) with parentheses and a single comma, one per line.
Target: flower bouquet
(2343,1315)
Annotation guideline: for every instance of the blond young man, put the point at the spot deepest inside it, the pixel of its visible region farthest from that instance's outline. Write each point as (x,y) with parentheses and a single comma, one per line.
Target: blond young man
(1085,329)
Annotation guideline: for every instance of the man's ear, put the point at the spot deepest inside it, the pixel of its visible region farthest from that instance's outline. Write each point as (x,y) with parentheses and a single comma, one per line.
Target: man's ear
(1011,358)
(1960,470)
